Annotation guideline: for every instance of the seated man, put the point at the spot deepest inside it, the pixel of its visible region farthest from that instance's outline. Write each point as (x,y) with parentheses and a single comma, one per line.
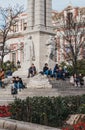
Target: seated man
(32,71)
(46,70)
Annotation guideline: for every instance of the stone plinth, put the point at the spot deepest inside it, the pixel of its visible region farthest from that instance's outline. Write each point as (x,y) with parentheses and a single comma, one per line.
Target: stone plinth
(23,73)
(39,81)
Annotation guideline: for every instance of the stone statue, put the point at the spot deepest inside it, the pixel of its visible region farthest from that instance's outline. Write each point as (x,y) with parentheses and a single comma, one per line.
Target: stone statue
(51,48)
(29,54)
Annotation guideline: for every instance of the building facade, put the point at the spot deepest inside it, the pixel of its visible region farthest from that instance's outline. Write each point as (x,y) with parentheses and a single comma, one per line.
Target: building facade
(66,29)
(21,28)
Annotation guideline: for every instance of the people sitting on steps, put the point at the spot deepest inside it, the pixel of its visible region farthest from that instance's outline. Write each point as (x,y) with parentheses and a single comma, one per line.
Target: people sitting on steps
(57,72)
(17,85)
(77,80)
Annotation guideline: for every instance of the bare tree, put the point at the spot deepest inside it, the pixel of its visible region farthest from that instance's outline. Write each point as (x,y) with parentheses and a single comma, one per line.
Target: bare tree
(72,32)
(8,19)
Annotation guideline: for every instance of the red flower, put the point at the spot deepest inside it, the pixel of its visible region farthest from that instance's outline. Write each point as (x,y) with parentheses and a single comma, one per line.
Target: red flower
(78,126)
(4,111)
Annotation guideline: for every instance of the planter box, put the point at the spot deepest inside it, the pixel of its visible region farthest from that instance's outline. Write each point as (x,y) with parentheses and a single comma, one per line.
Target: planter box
(9,124)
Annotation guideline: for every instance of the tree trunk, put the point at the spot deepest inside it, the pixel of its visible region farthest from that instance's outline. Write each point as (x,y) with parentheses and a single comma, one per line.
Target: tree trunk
(75,66)
(2,58)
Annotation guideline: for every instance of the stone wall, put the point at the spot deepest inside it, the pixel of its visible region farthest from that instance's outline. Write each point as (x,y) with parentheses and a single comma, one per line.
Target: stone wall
(9,124)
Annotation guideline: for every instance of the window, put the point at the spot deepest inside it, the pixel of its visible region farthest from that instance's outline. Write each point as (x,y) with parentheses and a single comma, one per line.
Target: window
(69,15)
(69,18)
(24,26)
(14,58)
(15,28)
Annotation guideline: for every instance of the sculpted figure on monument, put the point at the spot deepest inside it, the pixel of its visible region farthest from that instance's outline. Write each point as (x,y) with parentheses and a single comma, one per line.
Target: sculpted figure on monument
(29,54)
(51,47)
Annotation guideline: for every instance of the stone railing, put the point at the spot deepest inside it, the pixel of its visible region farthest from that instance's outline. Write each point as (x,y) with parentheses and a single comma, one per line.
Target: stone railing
(9,124)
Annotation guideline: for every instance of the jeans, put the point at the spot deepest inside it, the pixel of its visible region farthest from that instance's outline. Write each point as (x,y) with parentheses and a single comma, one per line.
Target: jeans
(48,72)
(0,83)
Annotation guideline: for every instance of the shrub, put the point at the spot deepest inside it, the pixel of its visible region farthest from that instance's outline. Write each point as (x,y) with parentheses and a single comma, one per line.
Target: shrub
(81,109)
(51,111)
(41,110)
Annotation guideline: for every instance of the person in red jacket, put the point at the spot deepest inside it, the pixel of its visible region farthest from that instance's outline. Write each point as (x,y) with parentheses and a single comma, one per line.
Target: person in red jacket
(2,75)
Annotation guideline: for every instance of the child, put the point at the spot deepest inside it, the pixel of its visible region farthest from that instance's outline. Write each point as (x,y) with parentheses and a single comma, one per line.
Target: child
(13,89)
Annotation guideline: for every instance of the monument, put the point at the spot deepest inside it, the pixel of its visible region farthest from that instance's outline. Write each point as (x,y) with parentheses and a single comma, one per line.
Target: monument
(39,30)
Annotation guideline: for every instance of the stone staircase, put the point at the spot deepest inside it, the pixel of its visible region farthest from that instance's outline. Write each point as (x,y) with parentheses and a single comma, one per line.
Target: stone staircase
(65,88)
(59,88)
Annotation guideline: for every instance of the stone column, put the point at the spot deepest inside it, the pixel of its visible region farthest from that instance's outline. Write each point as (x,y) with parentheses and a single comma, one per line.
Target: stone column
(31,7)
(43,11)
(49,13)
(39,13)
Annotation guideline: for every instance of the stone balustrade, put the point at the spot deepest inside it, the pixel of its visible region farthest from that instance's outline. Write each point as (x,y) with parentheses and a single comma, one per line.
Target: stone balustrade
(8,124)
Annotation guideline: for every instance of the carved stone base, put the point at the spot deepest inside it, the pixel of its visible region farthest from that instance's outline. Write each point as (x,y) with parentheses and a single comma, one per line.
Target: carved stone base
(39,81)
(21,73)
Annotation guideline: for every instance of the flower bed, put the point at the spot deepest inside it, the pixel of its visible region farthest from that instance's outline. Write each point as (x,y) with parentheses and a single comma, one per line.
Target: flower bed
(4,111)
(78,126)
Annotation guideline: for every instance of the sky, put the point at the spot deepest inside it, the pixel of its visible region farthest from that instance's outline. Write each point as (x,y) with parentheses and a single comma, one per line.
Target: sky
(56,4)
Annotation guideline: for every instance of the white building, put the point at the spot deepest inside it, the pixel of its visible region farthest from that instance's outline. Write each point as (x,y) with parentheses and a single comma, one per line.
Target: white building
(20,32)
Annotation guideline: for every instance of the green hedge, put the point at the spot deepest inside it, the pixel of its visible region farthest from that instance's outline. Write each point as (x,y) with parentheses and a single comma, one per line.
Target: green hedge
(51,111)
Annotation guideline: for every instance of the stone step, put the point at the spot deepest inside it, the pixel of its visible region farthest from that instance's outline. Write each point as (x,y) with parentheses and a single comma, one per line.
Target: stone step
(60,88)
(29,91)
(62,84)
